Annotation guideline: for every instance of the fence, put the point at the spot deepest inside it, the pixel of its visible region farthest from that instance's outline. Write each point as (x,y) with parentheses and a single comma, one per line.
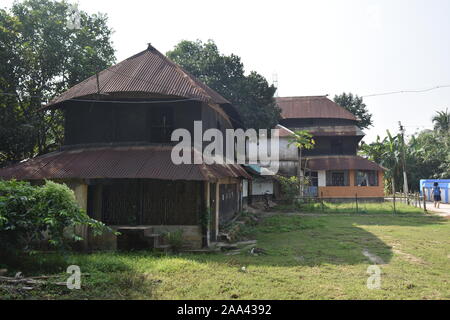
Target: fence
(396,203)
(412,199)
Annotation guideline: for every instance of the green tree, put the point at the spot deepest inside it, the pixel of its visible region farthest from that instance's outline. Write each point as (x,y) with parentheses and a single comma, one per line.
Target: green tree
(42,55)
(290,187)
(386,152)
(301,139)
(30,215)
(427,156)
(355,105)
(441,121)
(251,94)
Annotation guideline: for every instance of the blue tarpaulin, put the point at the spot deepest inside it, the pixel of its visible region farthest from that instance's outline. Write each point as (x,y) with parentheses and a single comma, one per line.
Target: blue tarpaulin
(444,184)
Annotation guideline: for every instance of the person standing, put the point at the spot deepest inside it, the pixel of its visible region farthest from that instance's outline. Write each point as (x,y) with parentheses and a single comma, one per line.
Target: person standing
(436,195)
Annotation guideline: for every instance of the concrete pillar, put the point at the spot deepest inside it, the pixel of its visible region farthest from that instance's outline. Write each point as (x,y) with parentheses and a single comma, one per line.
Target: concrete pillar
(322,178)
(81,192)
(351,178)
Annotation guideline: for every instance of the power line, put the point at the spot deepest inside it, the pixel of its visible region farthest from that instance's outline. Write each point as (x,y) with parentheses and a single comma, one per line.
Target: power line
(406,91)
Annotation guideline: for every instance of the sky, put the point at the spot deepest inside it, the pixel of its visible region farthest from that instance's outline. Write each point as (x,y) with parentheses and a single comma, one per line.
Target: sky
(313,47)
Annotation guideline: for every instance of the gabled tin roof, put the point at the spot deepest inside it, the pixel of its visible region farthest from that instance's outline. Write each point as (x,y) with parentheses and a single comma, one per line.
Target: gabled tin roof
(138,162)
(312,107)
(148,73)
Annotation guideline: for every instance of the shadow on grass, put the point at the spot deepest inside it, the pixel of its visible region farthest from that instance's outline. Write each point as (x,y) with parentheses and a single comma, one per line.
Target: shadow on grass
(291,240)
(104,276)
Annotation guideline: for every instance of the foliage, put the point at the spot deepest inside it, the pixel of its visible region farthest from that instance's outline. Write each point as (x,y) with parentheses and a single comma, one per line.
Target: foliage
(205,218)
(290,187)
(174,239)
(442,121)
(386,152)
(427,155)
(302,139)
(30,214)
(355,105)
(251,94)
(41,57)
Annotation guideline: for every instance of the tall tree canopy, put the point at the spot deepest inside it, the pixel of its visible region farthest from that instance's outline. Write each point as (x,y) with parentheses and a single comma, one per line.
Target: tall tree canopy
(251,94)
(427,155)
(355,105)
(442,121)
(45,47)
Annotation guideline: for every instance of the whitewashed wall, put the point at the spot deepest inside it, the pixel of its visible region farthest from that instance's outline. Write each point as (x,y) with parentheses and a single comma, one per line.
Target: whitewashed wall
(260,186)
(322,178)
(244,188)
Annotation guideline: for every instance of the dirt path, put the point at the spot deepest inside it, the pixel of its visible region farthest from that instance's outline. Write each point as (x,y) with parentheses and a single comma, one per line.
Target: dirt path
(443,211)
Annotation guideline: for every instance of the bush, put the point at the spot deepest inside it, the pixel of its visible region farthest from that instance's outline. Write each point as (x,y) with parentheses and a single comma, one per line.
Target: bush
(30,214)
(290,187)
(174,239)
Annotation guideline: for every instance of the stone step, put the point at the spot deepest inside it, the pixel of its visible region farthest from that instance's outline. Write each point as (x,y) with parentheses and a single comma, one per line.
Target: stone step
(162,246)
(152,235)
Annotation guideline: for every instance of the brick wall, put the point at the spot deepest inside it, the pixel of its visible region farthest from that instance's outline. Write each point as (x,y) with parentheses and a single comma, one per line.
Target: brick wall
(351,190)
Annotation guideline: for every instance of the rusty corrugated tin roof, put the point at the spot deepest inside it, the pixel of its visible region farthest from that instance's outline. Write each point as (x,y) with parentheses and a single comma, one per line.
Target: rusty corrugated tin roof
(324,131)
(146,162)
(148,72)
(341,163)
(312,107)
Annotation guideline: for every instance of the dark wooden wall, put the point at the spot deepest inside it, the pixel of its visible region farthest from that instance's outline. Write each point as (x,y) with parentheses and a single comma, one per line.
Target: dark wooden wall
(228,201)
(90,123)
(146,202)
(333,146)
(108,122)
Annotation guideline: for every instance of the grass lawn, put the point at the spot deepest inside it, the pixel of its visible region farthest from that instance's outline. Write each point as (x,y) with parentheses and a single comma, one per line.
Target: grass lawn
(308,257)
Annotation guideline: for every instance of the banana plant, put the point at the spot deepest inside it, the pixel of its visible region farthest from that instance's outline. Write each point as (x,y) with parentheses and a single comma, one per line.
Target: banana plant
(302,139)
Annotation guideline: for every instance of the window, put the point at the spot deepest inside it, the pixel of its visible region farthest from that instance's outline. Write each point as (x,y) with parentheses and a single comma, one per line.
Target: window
(337,178)
(366,178)
(313,178)
(161,124)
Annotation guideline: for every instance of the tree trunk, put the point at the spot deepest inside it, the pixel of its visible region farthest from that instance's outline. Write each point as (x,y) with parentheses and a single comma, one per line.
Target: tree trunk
(393,185)
(299,171)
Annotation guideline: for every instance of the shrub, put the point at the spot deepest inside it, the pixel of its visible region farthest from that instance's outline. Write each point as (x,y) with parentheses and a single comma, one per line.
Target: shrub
(290,187)
(174,239)
(29,214)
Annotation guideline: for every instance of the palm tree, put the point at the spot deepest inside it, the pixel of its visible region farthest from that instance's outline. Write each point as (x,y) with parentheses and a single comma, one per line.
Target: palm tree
(391,158)
(302,139)
(442,121)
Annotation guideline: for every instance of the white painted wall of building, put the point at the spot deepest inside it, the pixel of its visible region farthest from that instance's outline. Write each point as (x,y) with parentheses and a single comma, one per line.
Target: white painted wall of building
(259,187)
(322,178)
(287,152)
(244,188)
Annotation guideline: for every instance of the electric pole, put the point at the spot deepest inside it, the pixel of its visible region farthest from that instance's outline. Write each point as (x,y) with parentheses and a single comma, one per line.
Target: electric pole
(405,179)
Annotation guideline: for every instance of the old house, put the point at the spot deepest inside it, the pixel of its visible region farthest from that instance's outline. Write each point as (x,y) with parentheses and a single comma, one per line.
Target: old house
(335,170)
(117,153)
